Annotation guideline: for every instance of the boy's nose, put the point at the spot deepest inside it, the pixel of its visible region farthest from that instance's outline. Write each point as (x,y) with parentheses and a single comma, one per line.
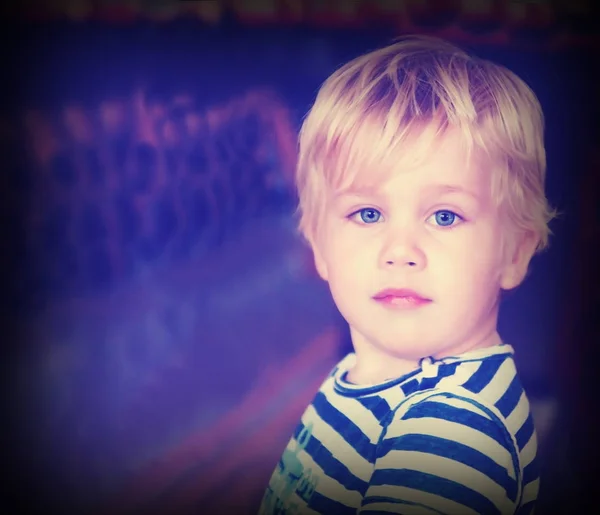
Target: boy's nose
(402,251)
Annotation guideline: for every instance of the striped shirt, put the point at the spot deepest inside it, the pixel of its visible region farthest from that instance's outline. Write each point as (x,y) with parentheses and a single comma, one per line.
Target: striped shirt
(455,436)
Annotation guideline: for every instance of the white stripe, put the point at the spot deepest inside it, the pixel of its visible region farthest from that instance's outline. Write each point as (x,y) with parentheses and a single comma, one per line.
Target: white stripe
(497,387)
(455,432)
(529,451)
(530,492)
(395,396)
(464,371)
(436,502)
(362,417)
(448,469)
(328,385)
(328,486)
(339,447)
(519,415)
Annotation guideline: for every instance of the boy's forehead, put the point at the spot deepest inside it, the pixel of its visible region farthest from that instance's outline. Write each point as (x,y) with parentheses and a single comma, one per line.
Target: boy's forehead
(443,161)
(429,189)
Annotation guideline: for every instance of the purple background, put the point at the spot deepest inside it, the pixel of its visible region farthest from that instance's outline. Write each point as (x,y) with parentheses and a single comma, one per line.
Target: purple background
(116,367)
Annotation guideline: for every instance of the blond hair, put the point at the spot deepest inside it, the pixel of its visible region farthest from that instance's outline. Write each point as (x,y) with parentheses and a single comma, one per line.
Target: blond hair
(369,107)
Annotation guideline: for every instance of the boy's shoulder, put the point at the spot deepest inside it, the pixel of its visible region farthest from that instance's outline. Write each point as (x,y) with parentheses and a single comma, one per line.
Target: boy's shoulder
(486,382)
(481,384)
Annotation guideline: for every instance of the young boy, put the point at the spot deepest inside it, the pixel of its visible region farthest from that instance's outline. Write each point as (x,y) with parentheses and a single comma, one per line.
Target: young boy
(421,183)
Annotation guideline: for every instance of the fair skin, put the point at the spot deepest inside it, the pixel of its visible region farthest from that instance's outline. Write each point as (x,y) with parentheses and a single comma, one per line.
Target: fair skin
(432,229)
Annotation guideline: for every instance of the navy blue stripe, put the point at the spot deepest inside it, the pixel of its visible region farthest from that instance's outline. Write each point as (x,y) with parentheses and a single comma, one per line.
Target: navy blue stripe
(531,472)
(331,465)
(376,405)
(322,504)
(375,499)
(508,402)
(347,429)
(435,485)
(299,428)
(410,387)
(462,416)
(370,390)
(455,451)
(525,433)
(484,374)
(443,371)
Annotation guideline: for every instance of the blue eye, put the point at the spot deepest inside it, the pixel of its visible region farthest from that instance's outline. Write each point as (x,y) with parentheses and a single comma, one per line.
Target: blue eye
(369,215)
(445,218)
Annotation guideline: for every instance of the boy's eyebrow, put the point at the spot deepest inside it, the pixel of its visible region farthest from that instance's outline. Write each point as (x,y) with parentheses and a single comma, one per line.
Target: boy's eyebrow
(358,191)
(371,191)
(451,188)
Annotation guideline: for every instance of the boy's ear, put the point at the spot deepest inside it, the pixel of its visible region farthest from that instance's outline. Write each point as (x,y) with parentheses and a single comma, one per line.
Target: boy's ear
(320,264)
(517,259)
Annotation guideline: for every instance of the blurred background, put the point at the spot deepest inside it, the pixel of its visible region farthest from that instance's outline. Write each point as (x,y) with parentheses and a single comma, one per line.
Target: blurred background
(163,326)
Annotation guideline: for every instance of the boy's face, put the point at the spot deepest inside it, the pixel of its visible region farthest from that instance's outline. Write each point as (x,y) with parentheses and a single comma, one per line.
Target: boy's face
(433,230)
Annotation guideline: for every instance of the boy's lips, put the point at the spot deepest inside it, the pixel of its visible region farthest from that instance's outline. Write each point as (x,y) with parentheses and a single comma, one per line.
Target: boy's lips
(402,297)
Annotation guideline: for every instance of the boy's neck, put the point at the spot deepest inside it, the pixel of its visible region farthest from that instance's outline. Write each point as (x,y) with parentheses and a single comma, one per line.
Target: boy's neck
(375,366)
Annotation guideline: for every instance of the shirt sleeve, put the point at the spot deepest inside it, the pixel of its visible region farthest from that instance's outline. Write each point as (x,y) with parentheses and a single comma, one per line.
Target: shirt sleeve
(444,455)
